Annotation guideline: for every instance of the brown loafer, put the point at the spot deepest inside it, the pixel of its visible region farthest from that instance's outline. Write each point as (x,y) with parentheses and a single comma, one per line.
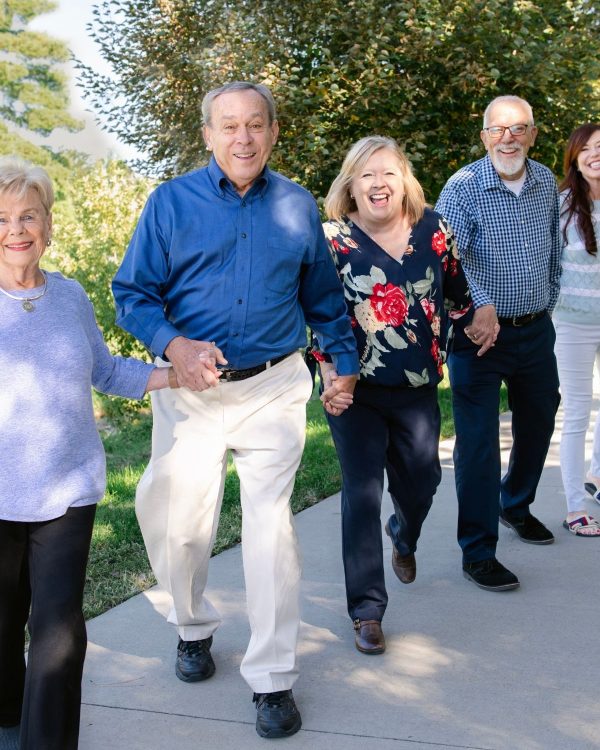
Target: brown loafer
(369,638)
(405,567)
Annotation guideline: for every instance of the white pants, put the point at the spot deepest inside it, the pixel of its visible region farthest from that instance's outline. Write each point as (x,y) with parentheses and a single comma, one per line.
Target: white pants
(262,421)
(577,347)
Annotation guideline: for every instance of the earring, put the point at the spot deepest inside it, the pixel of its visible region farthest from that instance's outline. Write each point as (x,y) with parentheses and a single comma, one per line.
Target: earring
(48,242)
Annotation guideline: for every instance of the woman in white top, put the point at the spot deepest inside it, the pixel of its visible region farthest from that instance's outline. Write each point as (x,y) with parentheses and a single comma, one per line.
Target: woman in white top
(577,321)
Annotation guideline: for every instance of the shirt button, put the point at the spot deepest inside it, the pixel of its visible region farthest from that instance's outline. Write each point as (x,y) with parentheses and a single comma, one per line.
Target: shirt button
(243,204)
(239,302)
(235,335)
(243,235)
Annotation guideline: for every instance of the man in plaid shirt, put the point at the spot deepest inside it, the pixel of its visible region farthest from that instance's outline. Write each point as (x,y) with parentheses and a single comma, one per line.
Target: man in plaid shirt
(505,213)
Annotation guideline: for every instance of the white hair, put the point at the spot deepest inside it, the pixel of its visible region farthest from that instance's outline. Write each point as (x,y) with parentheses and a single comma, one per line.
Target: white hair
(509,98)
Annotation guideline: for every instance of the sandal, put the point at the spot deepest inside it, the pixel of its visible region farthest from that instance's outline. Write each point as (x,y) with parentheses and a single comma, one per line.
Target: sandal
(583,526)
(591,488)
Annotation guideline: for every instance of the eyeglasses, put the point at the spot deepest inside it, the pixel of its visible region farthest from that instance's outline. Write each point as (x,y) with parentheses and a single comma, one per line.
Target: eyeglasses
(497,131)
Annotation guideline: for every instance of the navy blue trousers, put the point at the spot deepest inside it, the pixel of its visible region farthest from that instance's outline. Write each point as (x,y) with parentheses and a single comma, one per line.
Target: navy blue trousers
(396,430)
(42,566)
(524,359)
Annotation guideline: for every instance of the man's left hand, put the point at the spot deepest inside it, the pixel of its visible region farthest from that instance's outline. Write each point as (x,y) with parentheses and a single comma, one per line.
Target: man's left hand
(484,328)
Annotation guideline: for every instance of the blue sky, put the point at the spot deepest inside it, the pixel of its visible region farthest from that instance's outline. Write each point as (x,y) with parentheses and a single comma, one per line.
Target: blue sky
(68,23)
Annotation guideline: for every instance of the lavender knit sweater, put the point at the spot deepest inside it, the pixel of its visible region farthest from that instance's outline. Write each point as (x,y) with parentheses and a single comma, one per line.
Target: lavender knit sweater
(51,456)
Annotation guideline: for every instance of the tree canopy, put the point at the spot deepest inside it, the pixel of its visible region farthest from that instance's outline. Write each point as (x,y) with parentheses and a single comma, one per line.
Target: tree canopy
(421,71)
(33,88)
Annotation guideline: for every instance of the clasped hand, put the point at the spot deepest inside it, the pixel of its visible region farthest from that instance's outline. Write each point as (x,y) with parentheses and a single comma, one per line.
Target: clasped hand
(195,362)
(337,390)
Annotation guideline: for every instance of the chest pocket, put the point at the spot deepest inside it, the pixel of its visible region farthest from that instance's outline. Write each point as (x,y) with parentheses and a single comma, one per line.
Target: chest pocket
(282,267)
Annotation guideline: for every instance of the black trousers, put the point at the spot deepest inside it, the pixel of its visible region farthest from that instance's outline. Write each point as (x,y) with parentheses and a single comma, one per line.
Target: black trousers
(524,359)
(396,429)
(42,574)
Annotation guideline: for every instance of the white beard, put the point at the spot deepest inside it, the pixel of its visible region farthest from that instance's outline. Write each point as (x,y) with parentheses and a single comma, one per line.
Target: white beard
(508,166)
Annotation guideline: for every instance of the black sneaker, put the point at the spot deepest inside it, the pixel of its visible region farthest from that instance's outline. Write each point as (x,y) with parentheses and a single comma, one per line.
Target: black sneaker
(276,714)
(194,662)
(528,529)
(490,575)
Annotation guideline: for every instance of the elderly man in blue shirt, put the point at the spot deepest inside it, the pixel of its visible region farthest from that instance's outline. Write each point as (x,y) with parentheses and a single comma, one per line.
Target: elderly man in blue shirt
(227,266)
(504,211)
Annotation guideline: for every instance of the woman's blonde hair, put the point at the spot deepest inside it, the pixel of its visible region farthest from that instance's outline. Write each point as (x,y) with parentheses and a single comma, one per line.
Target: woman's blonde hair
(339,202)
(17,176)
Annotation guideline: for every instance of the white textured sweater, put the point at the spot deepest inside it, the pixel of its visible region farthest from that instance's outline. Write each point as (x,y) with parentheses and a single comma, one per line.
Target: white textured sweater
(579,299)
(51,456)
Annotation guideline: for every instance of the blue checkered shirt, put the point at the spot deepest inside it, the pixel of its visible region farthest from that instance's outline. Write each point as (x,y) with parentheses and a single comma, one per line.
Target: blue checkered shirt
(509,244)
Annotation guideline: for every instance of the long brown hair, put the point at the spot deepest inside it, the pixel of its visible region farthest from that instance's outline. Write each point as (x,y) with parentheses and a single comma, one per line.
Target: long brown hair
(578,203)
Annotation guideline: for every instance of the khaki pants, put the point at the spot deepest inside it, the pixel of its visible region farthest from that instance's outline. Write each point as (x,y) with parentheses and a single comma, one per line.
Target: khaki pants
(262,421)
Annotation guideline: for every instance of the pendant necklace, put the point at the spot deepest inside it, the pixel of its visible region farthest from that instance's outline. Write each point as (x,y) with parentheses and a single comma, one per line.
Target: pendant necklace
(27,302)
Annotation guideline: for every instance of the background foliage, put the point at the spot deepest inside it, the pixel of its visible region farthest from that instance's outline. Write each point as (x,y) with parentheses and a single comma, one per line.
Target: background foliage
(33,89)
(98,203)
(421,71)
(91,236)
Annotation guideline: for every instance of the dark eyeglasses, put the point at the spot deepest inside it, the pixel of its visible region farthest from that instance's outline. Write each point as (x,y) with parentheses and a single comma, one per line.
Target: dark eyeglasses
(497,131)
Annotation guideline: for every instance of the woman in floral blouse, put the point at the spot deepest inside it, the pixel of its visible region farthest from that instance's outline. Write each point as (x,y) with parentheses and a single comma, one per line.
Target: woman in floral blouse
(399,265)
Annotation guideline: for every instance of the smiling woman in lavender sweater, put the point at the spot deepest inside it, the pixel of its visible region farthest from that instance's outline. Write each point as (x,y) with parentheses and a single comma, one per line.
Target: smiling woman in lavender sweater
(52,466)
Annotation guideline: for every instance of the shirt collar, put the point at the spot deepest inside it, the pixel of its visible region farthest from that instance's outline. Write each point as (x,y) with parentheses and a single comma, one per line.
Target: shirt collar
(222,183)
(491,180)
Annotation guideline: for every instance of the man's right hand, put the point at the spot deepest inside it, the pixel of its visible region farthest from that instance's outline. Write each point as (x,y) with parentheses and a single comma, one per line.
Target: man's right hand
(195,362)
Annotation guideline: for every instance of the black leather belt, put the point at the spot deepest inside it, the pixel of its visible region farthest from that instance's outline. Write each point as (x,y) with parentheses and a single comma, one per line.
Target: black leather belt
(231,375)
(521,320)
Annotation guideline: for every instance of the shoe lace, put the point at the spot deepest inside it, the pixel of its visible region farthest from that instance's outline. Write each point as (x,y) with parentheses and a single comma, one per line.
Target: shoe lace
(489,566)
(195,648)
(273,700)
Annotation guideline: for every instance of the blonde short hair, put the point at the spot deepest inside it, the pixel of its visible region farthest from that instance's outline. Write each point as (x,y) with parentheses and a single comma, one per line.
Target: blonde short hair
(338,201)
(17,176)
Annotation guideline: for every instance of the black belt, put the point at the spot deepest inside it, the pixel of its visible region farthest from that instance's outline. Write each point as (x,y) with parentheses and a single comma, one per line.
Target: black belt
(230,375)
(521,320)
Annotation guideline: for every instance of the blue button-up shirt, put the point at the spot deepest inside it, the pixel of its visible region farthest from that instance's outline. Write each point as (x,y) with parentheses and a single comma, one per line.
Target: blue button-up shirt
(248,272)
(509,244)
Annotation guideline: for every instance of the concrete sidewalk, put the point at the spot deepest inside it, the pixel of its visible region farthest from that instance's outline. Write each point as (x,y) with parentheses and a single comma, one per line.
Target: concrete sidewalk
(464,668)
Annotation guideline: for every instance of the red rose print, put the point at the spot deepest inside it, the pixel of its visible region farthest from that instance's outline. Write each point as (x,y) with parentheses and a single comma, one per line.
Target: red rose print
(317,355)
(436,355)
(339,248)
(389,304)
(438,242)
(453,267)
(428,308)
(353,321)
(445,263)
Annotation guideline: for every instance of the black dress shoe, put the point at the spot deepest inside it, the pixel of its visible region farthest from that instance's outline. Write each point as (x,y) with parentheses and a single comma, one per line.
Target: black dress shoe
(528,529)
(276,714)
(490,575)
(368,637)
(405,567)
(194,662)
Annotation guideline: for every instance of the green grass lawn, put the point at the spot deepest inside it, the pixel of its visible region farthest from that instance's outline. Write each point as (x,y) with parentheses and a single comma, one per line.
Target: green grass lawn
(118,566)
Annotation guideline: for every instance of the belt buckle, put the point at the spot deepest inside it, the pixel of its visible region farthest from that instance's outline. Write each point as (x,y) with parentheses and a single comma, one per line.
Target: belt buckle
(226,374)
(515,321)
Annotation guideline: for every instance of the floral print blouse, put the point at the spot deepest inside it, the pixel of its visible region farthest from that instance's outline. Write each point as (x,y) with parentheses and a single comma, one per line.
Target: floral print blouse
(400,311)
